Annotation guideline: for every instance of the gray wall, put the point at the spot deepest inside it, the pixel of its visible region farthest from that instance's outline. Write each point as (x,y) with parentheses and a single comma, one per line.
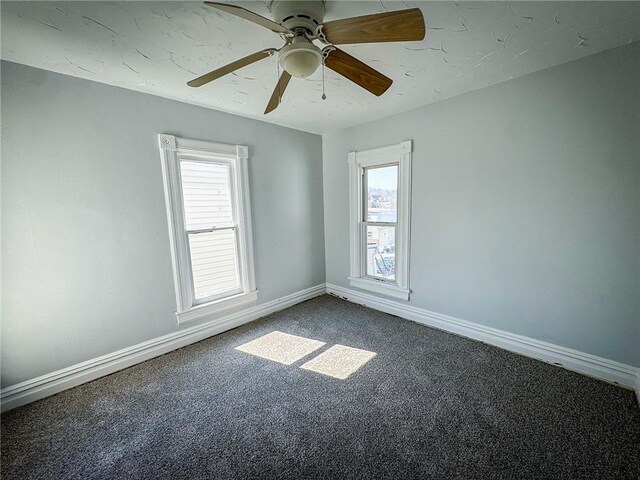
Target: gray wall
(86,267)
(526,204)
(526,209)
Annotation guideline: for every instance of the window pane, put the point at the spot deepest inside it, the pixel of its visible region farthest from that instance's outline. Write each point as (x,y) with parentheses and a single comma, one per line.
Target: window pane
(213,262)
(382,194)
(206,194)
(381,252)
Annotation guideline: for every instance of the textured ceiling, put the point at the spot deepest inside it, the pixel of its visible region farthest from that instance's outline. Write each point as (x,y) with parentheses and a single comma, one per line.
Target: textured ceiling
(156,47)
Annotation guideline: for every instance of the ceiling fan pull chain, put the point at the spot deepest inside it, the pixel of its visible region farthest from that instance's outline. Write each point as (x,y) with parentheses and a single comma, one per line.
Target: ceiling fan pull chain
(278,84)
(324,97)
(325,53)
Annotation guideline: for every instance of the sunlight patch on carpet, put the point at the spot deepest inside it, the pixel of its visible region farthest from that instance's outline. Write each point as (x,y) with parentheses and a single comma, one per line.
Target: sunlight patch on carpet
(281,347)
(339,361)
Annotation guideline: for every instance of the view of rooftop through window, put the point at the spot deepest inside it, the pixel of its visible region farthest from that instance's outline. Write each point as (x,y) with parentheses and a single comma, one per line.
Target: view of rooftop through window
(381,217)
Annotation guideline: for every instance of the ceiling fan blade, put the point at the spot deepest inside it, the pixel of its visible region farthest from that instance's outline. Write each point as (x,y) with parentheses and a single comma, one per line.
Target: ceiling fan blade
(249,15)
(232,67)
(358,72)
(276,96)
(399,26)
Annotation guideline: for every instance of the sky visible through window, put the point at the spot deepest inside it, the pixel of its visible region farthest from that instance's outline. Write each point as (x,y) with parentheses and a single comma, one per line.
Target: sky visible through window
(385,178)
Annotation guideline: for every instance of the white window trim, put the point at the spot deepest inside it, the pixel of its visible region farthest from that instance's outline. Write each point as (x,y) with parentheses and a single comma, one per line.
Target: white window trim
(399,153)
(171,149)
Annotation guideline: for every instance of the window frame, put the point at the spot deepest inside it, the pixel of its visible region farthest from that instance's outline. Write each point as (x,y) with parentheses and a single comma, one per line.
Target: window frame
(359,161)
(173,150)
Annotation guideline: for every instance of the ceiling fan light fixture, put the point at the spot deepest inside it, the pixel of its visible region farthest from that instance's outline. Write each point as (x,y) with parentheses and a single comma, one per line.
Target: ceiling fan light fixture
(300,58)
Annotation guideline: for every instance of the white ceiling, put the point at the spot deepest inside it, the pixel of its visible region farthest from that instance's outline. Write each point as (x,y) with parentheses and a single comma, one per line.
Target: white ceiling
(156,47)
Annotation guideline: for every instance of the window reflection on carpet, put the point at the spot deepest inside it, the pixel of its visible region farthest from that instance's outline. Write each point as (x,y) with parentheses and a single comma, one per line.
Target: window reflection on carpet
(281,347)
(339,361)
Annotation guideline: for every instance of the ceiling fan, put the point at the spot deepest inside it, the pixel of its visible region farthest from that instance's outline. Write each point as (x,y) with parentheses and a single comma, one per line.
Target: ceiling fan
(299,23)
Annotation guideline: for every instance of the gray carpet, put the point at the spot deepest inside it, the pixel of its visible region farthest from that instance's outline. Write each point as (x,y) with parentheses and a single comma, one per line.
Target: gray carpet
(428,405)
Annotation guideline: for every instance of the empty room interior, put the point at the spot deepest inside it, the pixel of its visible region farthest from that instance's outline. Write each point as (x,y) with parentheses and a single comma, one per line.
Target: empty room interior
(320,240)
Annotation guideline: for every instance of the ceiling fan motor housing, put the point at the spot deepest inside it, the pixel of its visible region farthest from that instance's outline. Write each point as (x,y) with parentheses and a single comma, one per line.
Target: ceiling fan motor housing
(296,14)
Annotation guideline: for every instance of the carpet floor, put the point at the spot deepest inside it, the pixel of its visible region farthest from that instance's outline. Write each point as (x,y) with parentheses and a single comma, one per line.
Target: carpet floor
(428,405)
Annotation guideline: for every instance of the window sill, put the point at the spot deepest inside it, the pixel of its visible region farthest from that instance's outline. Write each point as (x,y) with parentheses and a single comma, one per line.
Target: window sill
(380,287)
(202,311)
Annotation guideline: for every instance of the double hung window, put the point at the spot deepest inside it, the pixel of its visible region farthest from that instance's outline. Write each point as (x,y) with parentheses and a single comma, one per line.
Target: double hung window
(208,207)
(380,183)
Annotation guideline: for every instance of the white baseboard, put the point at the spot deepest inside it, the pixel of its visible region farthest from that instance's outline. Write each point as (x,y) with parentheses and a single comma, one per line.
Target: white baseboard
(602,368)
(55,382)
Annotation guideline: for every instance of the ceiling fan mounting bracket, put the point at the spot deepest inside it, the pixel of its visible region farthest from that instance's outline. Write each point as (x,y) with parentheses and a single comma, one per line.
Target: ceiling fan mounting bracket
(296,15)
(319,34)
(327,50)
